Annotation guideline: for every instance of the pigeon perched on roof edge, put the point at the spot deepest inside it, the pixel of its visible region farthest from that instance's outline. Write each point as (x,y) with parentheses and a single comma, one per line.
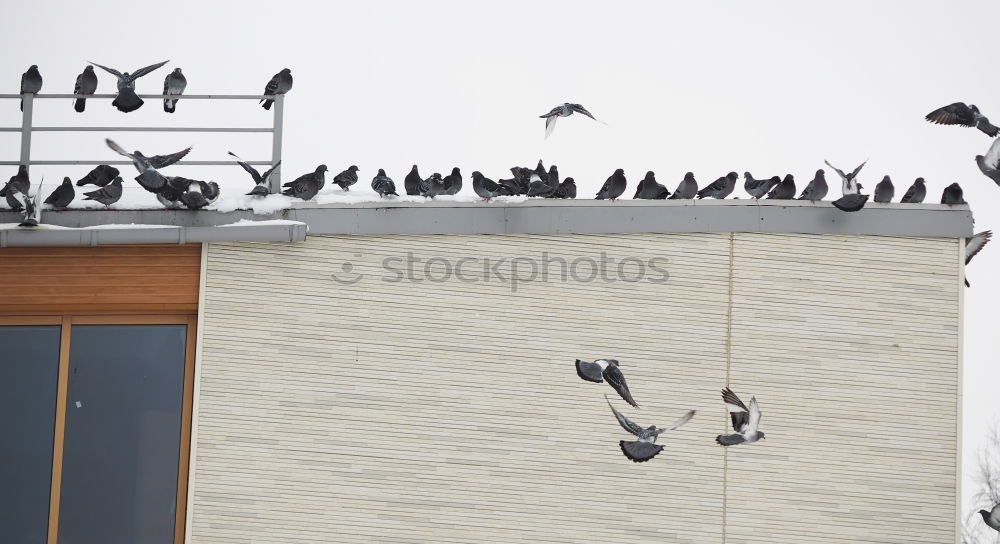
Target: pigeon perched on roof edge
(280,83)
(173,84)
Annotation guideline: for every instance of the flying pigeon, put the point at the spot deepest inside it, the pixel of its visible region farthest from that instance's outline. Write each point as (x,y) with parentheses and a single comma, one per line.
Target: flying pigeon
(686,189)
(433,186)
(383,184)
(745,420)
(884,191)
(32,211)
(347,178)
(412,181)
(848,181)
(63,195)
(650,189)
(916,193)
(990,164)
(564,110)
(605,369)
(453,182)
(613,187)
(720,188)
(281,83)
(308,185)
(100,176)
(173,84)
(784,190)
(107,195)
(566,189)
(148,167)
(261,181)
(645,448)
(127,101)
(992,518)
(974,245)
(965,115)
(758,187)
(17,183)
(952,195)
(486,188)
(86,83)
(817,188)
(31,82)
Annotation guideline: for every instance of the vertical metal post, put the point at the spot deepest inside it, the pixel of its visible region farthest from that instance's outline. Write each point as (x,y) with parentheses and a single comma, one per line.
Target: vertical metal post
(27,101)
(279,113)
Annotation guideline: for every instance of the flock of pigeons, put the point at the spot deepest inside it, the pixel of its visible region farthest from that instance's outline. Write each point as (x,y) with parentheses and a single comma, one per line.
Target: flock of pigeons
(177,191)
(126,100)
(746,419)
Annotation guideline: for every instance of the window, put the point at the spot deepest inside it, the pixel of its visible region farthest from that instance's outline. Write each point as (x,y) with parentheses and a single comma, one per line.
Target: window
(100,407)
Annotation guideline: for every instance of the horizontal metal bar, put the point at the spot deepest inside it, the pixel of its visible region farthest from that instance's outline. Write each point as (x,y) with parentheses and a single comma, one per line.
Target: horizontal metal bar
(161,96)
(140,129)
(116,162)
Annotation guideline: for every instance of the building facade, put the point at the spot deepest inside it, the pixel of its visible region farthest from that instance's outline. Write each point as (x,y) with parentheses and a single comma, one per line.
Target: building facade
(405,374)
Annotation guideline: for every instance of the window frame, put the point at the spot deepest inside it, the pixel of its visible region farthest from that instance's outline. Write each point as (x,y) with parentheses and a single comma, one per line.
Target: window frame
(66,322)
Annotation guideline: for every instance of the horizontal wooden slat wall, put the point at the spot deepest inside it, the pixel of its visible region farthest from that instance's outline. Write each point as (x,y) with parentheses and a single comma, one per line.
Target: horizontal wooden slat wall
(143,278)
(450,411)
(851,345)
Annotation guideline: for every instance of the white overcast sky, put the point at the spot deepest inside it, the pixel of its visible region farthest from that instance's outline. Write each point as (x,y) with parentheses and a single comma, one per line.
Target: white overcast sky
(770,87)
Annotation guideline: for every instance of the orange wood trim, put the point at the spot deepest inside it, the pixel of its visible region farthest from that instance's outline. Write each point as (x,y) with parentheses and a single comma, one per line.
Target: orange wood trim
(31,320)
(136,279)
(184,461)
(16,311)
(133,319)
(62,385)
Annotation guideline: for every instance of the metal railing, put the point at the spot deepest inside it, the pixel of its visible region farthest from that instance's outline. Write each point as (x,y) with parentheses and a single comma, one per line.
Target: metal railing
(26,129)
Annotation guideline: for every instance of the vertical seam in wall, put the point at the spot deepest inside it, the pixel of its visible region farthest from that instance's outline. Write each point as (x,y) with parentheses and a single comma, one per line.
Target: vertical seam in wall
(729,353)
(958,386)
(196,395)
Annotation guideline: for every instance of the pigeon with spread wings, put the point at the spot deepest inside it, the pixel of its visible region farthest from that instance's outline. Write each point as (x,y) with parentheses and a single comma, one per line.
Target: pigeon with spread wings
(149,176)
(645,448)
(564,110)
(262,181)
(849,184)
(976,244)
(959,113)
(606,369)
(127,101)
(989,164)
(745,420)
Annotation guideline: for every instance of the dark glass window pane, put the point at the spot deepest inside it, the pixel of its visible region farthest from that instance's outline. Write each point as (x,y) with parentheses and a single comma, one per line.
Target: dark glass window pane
(123,422)
(29,368)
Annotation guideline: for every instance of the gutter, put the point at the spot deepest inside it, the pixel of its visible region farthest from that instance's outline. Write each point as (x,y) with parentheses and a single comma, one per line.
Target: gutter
(264,231)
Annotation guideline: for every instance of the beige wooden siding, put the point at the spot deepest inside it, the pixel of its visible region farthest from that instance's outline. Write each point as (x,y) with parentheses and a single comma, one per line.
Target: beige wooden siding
(851,346)
(451,412)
